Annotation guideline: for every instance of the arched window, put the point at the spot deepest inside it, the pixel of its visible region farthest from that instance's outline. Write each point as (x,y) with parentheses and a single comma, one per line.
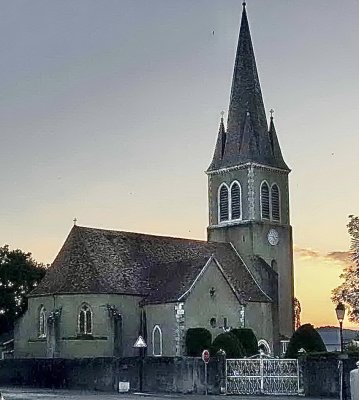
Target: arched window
(85,320)
(236,206)
(275,200)
(42,322)
(223,208)
(157,341)
(265,200)
(264,346)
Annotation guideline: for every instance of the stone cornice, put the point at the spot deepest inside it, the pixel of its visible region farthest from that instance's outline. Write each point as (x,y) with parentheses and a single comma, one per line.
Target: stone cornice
(247,165)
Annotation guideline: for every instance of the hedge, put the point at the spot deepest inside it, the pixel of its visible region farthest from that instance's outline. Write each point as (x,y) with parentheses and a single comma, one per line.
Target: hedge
(307,338)
(197,340)
(248,340)
(229,343)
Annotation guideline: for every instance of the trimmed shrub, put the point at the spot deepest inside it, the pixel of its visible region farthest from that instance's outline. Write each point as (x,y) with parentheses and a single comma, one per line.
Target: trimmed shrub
(248,340)
(307,338)
(197,340)
(229,343)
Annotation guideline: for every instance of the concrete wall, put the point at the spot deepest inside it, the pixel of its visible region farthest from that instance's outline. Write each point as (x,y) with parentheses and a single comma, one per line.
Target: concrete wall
(69,343)
(320,375)
(164,374)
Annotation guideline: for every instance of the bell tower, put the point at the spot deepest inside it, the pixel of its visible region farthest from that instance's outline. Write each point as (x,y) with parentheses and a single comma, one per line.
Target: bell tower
(248,182)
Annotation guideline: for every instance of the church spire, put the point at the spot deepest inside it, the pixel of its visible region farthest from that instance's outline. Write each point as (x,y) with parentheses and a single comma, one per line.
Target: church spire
(246,97)
(220,145)
(273,139)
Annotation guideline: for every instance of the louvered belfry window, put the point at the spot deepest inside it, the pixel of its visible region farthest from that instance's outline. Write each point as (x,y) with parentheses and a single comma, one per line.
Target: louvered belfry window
(223,204)
(275,203)
(265,200)
(235,201)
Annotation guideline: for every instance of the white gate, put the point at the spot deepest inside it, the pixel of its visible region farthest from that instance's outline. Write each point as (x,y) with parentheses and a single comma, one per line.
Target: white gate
(262,375)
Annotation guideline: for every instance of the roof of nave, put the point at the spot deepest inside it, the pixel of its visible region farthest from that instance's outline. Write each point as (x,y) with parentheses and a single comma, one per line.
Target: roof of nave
(158,268)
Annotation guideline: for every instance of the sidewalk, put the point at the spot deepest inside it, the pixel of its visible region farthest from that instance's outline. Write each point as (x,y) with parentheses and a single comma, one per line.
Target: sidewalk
(17,393)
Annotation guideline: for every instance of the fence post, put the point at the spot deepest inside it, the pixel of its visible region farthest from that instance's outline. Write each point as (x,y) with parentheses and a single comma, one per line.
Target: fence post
(354,383)
(222,372)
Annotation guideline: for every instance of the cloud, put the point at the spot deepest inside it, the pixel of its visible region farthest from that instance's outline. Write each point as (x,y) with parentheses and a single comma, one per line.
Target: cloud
(342,257)
(306,253)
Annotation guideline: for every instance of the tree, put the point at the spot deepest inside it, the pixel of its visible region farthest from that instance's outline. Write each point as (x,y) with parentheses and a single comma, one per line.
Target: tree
(348,291)
(307,338)
(296,312)
(19,275)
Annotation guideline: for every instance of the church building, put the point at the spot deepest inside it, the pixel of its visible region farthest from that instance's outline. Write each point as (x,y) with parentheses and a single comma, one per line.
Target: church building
(106,287)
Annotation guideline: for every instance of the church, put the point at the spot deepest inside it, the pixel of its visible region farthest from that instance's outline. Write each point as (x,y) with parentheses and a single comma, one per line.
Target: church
(105,287)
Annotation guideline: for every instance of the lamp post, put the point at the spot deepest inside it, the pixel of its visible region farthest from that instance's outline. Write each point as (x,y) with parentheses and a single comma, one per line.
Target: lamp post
(340,311)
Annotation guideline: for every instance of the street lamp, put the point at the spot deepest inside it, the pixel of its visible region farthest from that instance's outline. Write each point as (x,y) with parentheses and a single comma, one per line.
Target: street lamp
(340,311)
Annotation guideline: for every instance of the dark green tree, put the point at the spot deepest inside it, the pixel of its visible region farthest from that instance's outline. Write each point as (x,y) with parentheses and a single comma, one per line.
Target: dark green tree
(19,275)
(348,291)
(229,343)
(307,338)
(197,340)
(248,340)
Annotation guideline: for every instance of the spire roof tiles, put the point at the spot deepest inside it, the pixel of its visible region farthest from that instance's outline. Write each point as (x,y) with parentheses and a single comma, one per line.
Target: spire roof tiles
(246,141)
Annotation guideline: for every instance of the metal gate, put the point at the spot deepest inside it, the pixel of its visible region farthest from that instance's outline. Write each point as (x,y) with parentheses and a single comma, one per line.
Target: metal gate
(262,375)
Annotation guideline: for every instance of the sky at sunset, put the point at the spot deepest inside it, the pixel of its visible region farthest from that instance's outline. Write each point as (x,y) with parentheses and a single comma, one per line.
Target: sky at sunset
(109,112)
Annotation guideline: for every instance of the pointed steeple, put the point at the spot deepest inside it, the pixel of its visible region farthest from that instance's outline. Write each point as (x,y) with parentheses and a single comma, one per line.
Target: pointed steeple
(273,138)
(220,146)
(246,97)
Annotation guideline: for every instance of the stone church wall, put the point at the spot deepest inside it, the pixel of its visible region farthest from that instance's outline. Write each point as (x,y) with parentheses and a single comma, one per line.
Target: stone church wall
(259,319)
(69,344)
(163,316)
(201,306)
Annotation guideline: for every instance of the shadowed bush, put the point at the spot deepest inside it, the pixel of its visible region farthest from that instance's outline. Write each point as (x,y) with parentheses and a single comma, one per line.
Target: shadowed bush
(197,340)
(248,340)
(307,338)
(229,343)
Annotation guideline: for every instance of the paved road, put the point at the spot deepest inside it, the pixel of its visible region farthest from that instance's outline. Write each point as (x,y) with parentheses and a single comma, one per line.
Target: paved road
(45,394)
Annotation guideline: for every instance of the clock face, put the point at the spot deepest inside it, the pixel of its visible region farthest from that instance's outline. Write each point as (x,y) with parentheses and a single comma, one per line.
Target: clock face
(273,237)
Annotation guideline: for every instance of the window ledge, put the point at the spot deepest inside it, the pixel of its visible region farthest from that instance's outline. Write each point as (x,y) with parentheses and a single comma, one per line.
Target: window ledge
(38,339)
(85,337)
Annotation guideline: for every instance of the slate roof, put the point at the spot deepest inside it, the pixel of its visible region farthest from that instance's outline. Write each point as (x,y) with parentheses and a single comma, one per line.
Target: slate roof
(158,268)
(247,138)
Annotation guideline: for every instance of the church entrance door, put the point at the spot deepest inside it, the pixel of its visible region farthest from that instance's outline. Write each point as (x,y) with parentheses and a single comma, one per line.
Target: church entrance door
(262,375)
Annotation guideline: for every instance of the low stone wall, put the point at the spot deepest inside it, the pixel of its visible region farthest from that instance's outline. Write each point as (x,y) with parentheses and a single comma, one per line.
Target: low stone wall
(320,374)
(160,374)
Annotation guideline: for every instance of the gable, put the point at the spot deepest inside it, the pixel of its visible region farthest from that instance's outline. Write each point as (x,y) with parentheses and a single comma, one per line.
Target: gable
(210,283)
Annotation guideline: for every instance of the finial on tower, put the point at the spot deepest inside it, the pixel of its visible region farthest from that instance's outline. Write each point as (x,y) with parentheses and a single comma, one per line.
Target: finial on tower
(244,4)
(75,221)
(271,113)
(222,115)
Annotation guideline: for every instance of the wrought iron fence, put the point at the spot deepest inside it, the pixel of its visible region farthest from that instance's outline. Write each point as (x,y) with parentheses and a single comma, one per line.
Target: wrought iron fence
(262,375)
